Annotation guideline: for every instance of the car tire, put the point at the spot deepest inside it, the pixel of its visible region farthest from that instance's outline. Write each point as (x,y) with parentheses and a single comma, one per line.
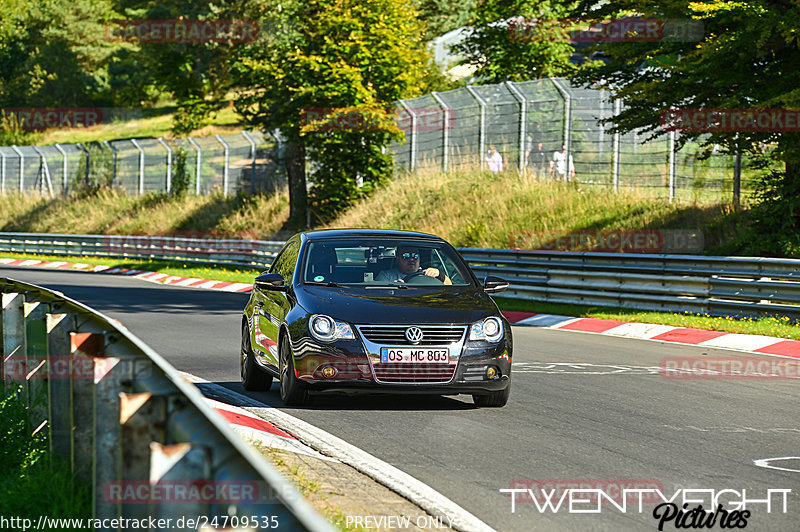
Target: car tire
(493,399)
(292,393)
(254,379)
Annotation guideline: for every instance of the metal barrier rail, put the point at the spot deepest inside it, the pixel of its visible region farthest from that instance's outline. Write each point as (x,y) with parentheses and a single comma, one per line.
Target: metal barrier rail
(742,286)
(124,418)
(229,252)
(746,286)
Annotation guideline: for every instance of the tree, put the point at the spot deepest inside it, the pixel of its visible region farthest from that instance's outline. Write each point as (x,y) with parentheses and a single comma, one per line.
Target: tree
(746,58)
(54,53)
(519,40)
(442,16)
(324,57)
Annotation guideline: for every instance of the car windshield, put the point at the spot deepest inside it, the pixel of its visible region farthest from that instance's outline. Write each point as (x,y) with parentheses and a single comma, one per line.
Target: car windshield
(393,262)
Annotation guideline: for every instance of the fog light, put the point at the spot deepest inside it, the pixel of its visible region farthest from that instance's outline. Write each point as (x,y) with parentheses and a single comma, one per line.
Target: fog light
(328,372)
(491,372)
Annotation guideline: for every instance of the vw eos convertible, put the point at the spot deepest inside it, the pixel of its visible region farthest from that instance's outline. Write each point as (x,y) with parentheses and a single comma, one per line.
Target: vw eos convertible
(359,310)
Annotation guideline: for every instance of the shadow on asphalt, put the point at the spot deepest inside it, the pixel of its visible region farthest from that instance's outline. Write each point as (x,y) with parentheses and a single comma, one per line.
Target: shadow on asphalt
(107,292)
(363,401)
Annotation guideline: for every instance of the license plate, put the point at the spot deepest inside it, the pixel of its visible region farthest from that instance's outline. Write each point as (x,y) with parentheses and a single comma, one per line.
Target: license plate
(391,355)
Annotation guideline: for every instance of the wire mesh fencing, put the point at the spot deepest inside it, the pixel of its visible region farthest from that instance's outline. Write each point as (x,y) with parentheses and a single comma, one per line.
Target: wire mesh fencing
(549,128)
(247,161)
(546,129)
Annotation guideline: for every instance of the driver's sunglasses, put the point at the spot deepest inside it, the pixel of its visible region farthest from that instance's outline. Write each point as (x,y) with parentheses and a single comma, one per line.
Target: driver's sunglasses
(410,255)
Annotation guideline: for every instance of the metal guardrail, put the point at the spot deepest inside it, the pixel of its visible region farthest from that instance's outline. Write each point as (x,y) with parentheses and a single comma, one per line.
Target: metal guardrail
(229,252)
(741,286)
(124,419)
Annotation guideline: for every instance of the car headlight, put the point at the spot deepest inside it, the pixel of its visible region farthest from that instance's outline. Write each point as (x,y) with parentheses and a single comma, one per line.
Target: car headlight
(327,329)
(490,330)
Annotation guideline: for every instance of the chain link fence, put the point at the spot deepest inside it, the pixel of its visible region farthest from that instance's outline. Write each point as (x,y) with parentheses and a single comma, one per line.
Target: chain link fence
(529,122)
(247,161)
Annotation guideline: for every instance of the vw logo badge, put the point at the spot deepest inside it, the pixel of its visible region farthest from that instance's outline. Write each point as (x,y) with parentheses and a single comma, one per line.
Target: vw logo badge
(414,335)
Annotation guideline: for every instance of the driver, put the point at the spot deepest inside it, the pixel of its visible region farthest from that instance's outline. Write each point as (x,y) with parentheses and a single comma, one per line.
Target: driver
(407,259)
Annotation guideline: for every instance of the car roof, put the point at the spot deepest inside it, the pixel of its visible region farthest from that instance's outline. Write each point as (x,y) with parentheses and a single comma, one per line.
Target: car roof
(326,234)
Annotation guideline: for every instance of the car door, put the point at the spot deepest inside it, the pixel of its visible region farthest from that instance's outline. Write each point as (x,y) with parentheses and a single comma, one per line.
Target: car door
(271,306)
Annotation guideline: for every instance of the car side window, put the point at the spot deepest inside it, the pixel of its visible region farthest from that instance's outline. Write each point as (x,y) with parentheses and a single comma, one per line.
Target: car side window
(286,261)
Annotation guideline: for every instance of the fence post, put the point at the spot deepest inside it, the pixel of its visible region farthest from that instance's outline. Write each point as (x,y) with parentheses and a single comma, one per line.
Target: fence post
(198,164)
(169,163)
(86,153)
(113,162)
(141,166)
(252,161)
(523,121)
(672,166)
(43,168)
(445,132)
(567,123)
(64,168)
(481,126)
(2,172)
(737,177)
(412,150)
(227,163)
(615,146)
(21,167)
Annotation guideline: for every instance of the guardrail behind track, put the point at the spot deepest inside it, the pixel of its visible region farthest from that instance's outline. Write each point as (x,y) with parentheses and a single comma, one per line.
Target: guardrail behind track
(742,286)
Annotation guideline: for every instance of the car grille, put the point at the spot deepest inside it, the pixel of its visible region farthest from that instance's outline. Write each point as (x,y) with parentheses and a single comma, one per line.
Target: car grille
(396,334)
(413,373)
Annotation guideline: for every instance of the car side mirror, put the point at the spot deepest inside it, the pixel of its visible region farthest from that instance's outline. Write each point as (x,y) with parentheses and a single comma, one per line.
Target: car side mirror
(270,281)
(494,285)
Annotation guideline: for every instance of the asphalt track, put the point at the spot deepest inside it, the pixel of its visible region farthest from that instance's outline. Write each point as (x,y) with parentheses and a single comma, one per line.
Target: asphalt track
(583,408)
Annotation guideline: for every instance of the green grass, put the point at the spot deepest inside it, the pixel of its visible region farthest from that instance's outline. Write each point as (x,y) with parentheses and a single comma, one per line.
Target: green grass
(33,482)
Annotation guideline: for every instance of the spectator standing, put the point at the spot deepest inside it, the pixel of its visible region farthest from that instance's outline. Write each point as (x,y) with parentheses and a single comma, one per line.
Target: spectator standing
(559,163)
(494,161)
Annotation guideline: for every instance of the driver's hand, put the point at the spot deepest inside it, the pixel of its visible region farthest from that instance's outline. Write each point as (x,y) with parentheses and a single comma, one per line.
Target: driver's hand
(431,272)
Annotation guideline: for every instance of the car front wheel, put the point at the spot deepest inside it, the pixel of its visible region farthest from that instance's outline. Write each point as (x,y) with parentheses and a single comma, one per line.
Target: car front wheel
(254,379)
(292,394)
(493,399)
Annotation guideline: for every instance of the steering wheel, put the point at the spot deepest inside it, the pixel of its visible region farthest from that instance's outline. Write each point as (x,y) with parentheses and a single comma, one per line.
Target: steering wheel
(419,277)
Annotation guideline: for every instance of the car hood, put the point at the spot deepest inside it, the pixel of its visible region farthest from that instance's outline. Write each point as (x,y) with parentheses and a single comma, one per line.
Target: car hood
(423,305)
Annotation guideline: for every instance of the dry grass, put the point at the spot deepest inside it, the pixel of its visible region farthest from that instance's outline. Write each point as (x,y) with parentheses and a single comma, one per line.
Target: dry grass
(480,209)
(112,212)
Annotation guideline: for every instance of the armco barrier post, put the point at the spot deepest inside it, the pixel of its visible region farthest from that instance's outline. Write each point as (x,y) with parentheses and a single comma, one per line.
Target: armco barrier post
(13,340)
(178,463)
(60,389)
(36,360)
(83,347)
(143,417)
(110,374)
